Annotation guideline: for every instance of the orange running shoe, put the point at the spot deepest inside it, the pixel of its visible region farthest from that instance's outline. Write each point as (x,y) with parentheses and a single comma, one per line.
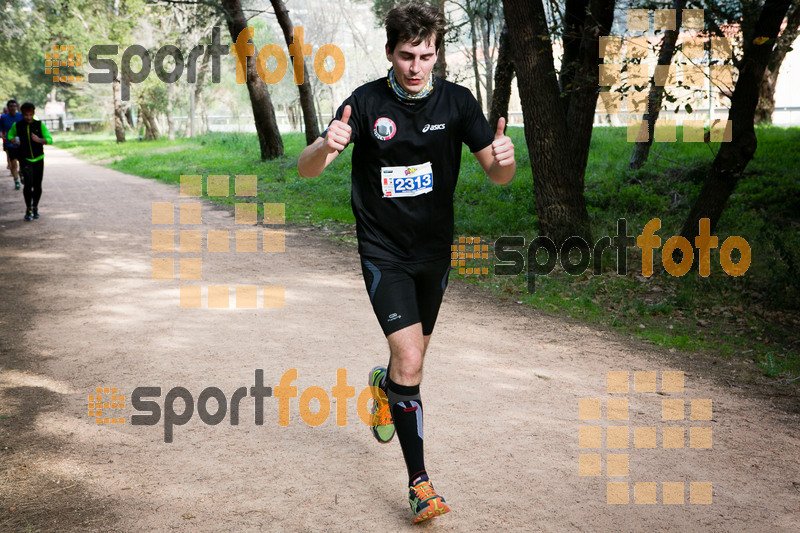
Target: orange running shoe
(424,501)
(382,424)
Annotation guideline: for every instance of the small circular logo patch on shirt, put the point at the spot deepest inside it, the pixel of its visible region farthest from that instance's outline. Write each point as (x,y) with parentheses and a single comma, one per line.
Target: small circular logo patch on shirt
(384,128)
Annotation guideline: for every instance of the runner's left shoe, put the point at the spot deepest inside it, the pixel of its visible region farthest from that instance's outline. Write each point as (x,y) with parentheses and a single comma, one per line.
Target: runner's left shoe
(425,503)
(382,424)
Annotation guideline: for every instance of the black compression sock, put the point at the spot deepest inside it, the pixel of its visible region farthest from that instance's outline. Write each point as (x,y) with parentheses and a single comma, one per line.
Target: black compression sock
(383,384)
(406,407)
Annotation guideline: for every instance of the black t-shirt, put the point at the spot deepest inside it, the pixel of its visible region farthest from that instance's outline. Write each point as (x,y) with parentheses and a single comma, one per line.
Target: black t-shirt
(403,208)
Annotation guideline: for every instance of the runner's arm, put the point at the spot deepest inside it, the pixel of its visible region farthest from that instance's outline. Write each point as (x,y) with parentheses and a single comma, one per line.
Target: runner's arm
(501,175)
(46,135)
(497,159)
(315,158)
(319,154)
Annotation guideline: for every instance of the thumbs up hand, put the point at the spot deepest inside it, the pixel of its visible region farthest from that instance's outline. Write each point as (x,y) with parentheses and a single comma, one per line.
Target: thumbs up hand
(339,132)
(502,146)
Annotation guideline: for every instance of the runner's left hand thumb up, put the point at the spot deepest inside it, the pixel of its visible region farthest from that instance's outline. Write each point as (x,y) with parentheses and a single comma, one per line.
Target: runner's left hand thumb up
(501,128)
(502,147)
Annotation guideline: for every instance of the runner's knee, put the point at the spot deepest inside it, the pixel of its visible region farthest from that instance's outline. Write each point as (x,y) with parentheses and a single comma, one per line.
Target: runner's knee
(407,365)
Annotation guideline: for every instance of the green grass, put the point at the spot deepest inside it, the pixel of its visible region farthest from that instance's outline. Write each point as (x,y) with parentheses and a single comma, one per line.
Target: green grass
(779,366)
(753,317)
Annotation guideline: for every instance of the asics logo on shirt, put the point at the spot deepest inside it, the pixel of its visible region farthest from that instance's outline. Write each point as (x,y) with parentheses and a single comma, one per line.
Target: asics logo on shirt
(432,127)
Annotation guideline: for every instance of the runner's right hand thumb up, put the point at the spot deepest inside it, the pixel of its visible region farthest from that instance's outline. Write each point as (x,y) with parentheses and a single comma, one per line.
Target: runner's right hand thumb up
(339,131)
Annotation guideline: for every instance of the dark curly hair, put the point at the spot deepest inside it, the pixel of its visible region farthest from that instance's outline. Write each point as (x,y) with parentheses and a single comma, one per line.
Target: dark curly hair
(414,23)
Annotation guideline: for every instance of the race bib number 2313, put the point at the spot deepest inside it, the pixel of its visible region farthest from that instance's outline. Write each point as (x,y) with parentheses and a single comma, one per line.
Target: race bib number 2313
(407,181)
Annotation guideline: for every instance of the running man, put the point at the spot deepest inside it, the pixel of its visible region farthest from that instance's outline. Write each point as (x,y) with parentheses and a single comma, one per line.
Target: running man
(6,121)
(33,135)
(407,129)
(8,160)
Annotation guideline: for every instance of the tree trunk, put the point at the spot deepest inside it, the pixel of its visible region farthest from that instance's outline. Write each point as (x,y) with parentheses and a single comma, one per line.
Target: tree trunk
(473,36)
(203,117)
(306,95)
(583,102)
(119,116)
(486,31)
(319,107)
(641,151)
(151,132)
(289,117)
(766,91)
(441,62)
(557,133)
(571,35)
(503,76)
(187,132)
(766,97)
(733,157)
(269,138)
(198,95)
(170,120)
(129,117)
(195,95)
(147,114)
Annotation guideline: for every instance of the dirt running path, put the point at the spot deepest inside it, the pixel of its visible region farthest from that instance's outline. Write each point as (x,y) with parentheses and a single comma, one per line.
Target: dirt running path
(502,388)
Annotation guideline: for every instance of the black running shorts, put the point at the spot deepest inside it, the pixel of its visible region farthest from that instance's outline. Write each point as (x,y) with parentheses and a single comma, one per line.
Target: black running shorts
(403,294)
(13,153)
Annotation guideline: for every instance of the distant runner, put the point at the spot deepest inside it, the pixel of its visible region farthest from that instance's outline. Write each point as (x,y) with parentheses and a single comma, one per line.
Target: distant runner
(6,121)
(407,130)
(30,136)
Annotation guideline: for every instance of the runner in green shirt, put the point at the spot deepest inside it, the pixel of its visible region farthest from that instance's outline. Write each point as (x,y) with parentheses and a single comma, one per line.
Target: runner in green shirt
(30,136)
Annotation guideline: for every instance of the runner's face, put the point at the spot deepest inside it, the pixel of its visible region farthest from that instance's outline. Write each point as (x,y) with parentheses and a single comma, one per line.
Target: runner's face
(413,64)
(27,116)
(12,109)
